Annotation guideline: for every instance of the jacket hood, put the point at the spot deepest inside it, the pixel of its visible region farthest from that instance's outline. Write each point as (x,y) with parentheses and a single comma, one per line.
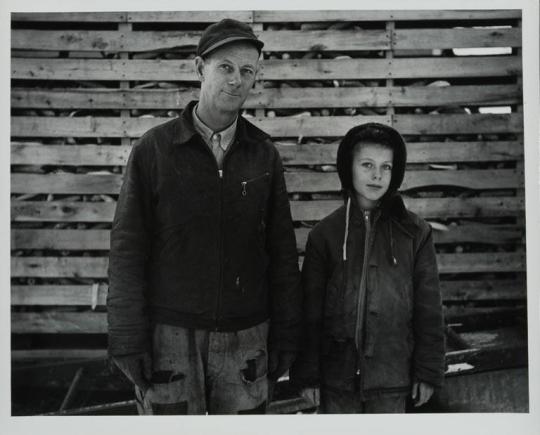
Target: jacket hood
(374,132)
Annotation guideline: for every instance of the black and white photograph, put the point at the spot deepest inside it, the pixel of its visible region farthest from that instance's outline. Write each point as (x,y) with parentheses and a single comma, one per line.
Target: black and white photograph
(273,211)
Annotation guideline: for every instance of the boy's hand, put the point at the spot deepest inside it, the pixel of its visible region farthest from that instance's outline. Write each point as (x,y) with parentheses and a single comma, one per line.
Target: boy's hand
(137,368)
(313,394)
(421,393)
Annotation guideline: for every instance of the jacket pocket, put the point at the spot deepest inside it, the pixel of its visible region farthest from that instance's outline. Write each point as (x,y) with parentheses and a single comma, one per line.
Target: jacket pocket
(249,186)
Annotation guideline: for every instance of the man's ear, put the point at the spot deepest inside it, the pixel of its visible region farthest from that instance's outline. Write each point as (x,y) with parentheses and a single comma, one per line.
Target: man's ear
(199,67)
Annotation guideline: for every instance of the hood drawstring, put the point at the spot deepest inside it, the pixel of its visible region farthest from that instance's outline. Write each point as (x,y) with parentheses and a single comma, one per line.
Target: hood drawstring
(392,256)
(347,218)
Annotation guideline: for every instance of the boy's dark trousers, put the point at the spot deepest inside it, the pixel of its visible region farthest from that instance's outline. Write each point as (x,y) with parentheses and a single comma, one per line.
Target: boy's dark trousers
(199,372)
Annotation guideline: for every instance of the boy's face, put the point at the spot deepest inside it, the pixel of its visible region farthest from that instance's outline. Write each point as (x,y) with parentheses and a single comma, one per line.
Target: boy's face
(371,172)
(227,75)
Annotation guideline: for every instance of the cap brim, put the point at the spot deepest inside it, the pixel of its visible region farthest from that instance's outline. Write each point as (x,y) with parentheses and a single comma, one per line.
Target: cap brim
(255,42)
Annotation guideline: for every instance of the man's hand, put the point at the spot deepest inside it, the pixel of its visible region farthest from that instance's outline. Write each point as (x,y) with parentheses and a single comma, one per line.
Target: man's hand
(279,363)
(421,393)
(313,394)
(137,368)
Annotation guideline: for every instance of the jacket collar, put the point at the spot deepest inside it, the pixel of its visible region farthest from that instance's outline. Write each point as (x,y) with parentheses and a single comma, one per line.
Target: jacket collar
(184,129)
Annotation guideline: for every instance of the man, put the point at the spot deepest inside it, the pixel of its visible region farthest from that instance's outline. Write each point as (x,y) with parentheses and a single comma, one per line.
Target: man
(204,297)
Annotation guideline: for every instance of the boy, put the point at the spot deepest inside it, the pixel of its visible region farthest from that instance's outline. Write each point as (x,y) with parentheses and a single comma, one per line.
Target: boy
(373,323)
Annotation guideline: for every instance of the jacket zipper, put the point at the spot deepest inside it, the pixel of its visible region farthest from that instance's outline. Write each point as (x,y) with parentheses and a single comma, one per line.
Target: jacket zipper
(244,183)
(362,292)
(220,247)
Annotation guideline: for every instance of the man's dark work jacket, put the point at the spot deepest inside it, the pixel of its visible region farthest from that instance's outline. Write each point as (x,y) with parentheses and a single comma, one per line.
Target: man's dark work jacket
(197,249)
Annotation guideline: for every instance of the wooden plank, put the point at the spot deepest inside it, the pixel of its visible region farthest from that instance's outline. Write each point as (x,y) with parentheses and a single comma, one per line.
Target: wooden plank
(71,295)
(382,15)
(417,152)
(477,179)
(270,98)
(291,154)
(75,17)
(300,126)
(60,239)
(58,211)
(55,322)
(107,41)
(483,290)
(188,16)
(427,208)
(296,69)
(358,69)
(106,69)
(96,267)
(80,155)
(418,39)
(57,354)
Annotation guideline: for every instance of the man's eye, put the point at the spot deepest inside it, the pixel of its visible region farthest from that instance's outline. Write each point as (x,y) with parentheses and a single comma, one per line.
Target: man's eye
(247,72)
(226,67)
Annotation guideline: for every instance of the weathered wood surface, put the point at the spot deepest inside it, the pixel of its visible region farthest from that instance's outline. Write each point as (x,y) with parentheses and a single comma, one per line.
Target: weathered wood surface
(382,15)
(98,240)
(87,295)
(52,322)
(477,179)
(300,126)
(59,211)
(57,354)
(418,39)
(279,70)
(96,267)
(33,153)
(112,41)
(270,98)
(269,16)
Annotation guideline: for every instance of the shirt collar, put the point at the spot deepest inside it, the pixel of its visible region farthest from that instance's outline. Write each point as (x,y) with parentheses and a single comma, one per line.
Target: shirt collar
(227,134)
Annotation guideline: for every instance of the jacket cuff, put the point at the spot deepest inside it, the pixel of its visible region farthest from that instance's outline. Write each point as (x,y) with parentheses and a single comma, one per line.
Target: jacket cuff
(128,345)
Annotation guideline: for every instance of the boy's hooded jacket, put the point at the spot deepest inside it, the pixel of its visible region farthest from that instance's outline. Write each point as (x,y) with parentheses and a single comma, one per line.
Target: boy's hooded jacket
(402,336)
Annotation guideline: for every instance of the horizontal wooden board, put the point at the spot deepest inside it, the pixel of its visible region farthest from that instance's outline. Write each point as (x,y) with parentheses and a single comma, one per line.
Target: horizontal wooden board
(56,354)
(417,39)
(427,208)
(269,16)
(417,152)
(58,211)
(296,181)
(279,70)
(96,267)
(55,322)
(83,295)
(382,15)
(75,17)
(71,295)
(68,239)
(291,153)
(77,155)
(262,98)
(136,41)
(294,126)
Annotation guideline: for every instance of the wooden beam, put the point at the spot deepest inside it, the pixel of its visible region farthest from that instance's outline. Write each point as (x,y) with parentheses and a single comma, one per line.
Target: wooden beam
(280,70)
(188,16)
(75,17)
(301,126)
(266,98)
(311,153)
(53,322)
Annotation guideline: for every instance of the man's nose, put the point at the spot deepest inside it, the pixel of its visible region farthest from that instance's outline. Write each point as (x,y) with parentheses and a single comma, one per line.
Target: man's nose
(235,78)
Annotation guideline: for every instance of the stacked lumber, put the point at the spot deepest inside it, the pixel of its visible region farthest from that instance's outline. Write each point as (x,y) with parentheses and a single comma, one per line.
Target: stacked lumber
(86,85)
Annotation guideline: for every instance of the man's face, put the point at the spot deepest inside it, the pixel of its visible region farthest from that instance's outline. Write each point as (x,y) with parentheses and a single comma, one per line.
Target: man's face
(371,172)
(227,75)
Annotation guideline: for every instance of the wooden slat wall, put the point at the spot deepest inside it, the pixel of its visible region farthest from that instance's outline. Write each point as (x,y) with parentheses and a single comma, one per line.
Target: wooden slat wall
(81,95)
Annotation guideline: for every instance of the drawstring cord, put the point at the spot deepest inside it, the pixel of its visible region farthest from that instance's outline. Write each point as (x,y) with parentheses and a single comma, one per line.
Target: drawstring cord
(347,217)
(393,258)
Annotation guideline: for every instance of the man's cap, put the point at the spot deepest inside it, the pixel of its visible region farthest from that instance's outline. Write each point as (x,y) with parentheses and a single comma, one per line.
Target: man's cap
(224,32)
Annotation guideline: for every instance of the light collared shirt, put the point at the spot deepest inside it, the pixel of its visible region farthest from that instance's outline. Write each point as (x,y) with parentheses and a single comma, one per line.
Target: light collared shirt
(217,141)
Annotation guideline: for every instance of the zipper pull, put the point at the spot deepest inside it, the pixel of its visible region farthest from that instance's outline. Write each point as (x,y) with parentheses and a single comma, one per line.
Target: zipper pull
(244,183)
(220,173)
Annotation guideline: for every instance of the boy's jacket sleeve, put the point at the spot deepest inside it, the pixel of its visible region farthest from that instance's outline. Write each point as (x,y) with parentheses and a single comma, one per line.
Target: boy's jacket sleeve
(428,323)
(306,370)
(130,247)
